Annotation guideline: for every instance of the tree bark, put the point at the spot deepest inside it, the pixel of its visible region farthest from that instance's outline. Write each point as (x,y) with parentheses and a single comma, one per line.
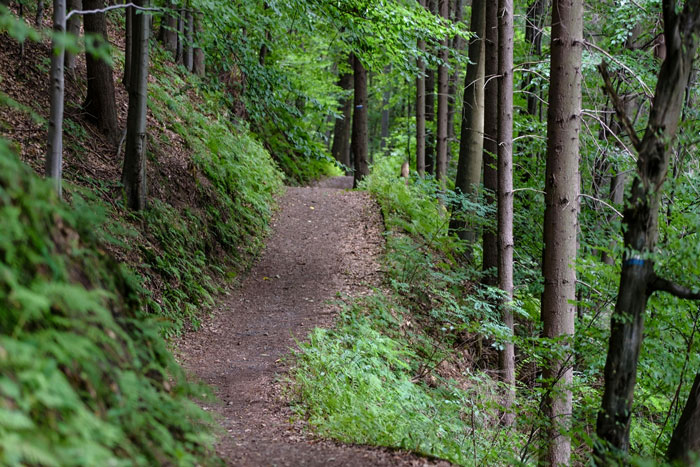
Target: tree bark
(54,153)
(100,105)
(128,44)
(505,196)
(359,123)
(420,109)
(443,82)
(471,145)
(686,436)
(490,247)
(561,220)
(199,65)
(134,171)
(167,34)
(341,132)
(534,25)
(179,48)
(72,27)
(456,46)
(39,19)
(431,5)
(638,279)
(189,40)
(384,134)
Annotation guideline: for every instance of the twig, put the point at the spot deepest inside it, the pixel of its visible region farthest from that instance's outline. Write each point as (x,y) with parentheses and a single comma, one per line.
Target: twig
(603,203)
(619,109)
(647,90)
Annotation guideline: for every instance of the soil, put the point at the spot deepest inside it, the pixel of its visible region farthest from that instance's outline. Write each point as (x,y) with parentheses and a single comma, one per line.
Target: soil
(325,241)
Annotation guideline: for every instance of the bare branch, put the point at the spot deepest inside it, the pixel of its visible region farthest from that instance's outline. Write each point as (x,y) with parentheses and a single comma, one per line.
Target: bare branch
(647,90)
(601,202)
(109,8)
(659,284)
(619,108)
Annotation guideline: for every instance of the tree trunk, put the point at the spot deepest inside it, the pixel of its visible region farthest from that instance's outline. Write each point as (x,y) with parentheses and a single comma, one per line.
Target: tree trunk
(505,195)
(384,135)
(39,19)
(561,220)
(189,40)
(128,44)
(490,247)
(359,123)
(180,36)
(456,46)
(199,66)
(431,5)
(341,132)
(54,153)
(167,34)
(534,24)
(471,145)
(443,82)
(134,171)
(100,104)
(72,27)
(638,280)
(420,109)
(686,436)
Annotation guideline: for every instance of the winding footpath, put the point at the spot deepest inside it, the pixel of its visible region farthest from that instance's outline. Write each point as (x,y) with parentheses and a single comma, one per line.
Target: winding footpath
(325,240)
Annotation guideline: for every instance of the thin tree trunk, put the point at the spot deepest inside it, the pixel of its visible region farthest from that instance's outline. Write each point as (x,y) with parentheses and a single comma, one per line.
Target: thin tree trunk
(72,27)
(505,196)
(490,246)
(39,19)
(686,436)
(420,110)
(431,5)
(638,279)
(456,47)
(359,123)
(180,36)
(128,44)
(134,171)
(54,153)
(443,82)
(384,135)
(189,40)
(167,34)
(534,24)
(561,220)
(471,145)
(341,132)
(199,66)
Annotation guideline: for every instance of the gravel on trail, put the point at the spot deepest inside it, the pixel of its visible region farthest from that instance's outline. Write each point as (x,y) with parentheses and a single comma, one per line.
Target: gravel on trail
(325,240)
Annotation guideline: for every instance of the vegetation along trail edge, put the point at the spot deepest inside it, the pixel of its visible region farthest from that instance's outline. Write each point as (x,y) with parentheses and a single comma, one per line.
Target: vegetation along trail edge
(325,240)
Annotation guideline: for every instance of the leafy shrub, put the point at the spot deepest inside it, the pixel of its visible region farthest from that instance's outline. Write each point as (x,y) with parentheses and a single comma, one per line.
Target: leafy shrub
(85,378)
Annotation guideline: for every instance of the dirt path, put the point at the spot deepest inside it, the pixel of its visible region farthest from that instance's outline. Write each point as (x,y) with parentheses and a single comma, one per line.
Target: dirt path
(325,240)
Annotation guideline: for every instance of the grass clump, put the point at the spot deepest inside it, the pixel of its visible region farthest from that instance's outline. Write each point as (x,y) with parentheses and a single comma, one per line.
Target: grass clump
(85,378)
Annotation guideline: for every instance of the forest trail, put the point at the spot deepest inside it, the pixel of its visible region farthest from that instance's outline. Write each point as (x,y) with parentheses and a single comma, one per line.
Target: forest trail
(325,240)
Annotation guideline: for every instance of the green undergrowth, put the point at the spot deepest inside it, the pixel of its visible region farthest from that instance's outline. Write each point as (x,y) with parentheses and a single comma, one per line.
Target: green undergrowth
(85,376)
(401,368)
(188,248)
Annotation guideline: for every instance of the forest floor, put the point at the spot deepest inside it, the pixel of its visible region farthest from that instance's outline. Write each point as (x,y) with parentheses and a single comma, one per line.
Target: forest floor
(325,243)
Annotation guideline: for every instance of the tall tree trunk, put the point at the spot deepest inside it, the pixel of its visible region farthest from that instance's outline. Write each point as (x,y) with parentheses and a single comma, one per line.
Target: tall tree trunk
(128,44)
(420,109)
(505,196)
(54,153)
(359,123)
(167,34)
(638,279)
(100,105)
(189,40)
(490,246)
(134,171)
(561,219)
(456,46)
(343,124)
(686,436)
(384,135)
(443,82)
(431,5)
(39,19)
(199,66)
(72,27)
(179,49)
(534,25)
(472,129)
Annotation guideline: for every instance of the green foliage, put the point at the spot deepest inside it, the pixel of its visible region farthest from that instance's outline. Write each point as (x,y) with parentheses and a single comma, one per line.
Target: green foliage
(85,378)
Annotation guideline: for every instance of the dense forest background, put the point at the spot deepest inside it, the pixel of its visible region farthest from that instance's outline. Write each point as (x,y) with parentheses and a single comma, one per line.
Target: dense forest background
(534,163)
